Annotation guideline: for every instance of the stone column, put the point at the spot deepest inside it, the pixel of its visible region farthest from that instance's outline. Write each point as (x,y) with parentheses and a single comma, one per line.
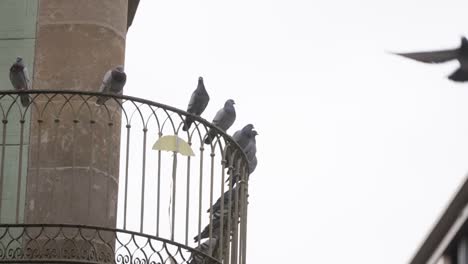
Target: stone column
(74,154)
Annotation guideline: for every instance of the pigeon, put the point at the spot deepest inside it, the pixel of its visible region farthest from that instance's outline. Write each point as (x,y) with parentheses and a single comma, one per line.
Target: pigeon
(251,148)
(19,78)
(460,54)
(197,104)
(217,206)
(223,119)
(242,137)
(113,82)
(252,164)
(250,151)
(207,247)
(206,231)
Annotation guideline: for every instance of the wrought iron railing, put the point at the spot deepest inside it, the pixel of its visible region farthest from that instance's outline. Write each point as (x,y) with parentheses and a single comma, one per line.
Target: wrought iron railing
(39,243)
(66,152)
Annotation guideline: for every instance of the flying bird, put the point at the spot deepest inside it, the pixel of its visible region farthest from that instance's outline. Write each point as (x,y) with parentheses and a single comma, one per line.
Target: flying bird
(223,119)
(440,56)
(19,78)
(113,82)
(197,104)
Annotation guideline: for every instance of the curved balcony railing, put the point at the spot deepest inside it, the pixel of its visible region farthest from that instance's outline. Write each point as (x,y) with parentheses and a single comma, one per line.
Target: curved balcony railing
(69,197)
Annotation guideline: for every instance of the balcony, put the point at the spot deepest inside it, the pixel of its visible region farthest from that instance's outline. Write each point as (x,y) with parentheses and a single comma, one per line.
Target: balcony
(116,183)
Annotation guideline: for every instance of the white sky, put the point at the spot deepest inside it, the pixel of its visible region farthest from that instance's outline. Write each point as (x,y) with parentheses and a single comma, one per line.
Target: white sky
(359,151)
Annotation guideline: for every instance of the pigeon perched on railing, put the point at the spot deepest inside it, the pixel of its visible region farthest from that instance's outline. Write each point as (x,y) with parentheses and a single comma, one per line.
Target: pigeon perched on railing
(251,148)
(242,137)
(250,151)
(460,54)
(223,119)
(197,104)
(206,231)
(113,82)
(252,165)
(19,78)
(217,205)
(207,247)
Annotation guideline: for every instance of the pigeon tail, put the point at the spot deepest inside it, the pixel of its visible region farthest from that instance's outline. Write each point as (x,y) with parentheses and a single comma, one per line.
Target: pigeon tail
(459,76)
(101,100)
(188,122)
(197,238)
(210,136)
(24,100)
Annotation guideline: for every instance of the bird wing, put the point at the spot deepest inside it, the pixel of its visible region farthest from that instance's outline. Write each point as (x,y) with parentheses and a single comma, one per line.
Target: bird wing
(251,149)
(253,164)
(219,117)
(19,80)
(193,103)
(432,56)
(26,78)
(106,82)
(198,103)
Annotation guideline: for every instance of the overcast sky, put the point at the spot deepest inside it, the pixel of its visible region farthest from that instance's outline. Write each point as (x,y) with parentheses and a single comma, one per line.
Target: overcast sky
(359,151)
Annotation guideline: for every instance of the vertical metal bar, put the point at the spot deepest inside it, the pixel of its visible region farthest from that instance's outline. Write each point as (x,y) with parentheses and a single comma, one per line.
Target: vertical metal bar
(142,210)
(235,219)
(462,251)
(52,197)
(38,155)
(159,192)
(187,202)
(220,243)
(2,164)
(91,165)
(109,165)
(20,171)
(241,209)
(230,213)
(244,216)
(72,187)
(200,193)
(245,224)
(174,181)
(245,204)
(211,201)
(126,177)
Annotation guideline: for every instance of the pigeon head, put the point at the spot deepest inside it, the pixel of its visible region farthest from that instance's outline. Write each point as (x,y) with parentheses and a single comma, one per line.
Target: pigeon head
(200,79)
(248,128)
(254,133)
(230,102)
(19,61)
(119,68)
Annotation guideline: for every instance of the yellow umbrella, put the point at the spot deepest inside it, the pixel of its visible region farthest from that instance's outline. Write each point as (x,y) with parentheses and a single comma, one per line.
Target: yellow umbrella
(175,144)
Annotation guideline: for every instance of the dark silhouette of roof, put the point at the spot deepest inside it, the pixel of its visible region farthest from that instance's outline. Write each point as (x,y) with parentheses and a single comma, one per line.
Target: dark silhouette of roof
(132,8)
(443,226)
